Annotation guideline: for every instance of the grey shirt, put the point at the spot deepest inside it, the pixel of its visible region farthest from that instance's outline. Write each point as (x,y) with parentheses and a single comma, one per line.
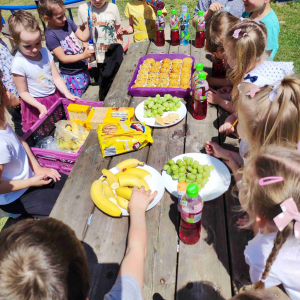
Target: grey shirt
(236,6)
(125,288)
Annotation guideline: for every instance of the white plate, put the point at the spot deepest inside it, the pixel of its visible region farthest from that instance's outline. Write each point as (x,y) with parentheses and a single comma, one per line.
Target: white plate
(219,180)
(156,183)
(139,113)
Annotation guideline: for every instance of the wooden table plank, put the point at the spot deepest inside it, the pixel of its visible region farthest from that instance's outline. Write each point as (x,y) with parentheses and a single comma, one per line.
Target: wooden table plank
(203,269)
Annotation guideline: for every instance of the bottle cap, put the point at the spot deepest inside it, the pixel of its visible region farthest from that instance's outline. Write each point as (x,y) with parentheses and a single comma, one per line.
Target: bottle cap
(90,41)
(182,186)
(202,76)
(199,67)
(200,13)
(173,11)
(159,12)
(192,190)
(184,8)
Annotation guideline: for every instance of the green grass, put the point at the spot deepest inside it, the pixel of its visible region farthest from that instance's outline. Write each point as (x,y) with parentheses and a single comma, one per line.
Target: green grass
(287,13)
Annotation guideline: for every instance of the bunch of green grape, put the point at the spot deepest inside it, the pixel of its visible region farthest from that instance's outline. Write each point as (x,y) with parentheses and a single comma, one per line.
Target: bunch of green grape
(157,106)
(189,171)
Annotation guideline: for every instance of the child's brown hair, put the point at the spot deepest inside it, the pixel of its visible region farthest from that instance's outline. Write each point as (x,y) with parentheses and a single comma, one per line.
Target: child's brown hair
(246,48)
(264,201)
(42,259)
(216,30)
(44,8)
(22,20)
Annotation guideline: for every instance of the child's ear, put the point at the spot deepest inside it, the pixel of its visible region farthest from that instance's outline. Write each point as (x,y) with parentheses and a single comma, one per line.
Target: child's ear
(46,18)
(261,222)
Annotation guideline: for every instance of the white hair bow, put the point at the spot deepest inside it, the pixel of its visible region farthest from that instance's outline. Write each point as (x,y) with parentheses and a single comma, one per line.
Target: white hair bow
(274,91)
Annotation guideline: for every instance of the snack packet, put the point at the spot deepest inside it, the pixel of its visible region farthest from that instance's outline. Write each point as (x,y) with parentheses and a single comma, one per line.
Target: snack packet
(117,138)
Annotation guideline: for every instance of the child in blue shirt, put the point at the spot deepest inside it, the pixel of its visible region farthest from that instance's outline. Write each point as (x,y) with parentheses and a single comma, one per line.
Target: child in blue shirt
(260,10)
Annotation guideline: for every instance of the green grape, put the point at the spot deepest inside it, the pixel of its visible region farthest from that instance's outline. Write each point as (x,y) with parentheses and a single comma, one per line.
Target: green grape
(179,162)
(175,171)
(189,181)
(198,181)
(149,113)
(199,186)
(171,162)
(184,163)
(190,161)
(178,105)
(200,169)
(189,168)
(166,167)
(145,115)
(165,104)
(204,175)
(191,176)
(160,101)
(194,171)
(211,168)
(151,103)
(205,167)
(174,167)
(195,165)
(146,102)
(175,176)
(181,174)
(154,106)
(169,172)
(199,176)
(182,179)
(185,158)
(182,169)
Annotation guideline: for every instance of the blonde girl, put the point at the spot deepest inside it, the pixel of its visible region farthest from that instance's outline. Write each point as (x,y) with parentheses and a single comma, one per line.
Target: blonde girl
(34,72)
(267,115)
(270,194)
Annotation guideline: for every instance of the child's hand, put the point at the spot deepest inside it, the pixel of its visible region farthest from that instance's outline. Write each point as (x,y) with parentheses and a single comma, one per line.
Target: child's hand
(140,199)
(47,172)
(88,53)
(226,128)
(214,149)
(39,180)
(43,110)
(225,90)
(71,96)
(214,7)
(213,97)
(121,30)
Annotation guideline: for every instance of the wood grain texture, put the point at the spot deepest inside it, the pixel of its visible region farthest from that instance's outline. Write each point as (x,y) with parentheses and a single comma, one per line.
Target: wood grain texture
(203,269)
(92,93)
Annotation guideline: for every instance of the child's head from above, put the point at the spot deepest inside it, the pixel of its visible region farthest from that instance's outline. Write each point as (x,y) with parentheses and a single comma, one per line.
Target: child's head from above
(42,259)
(98,3)
(25,32)
(261,195)
(244,47)
(255,5)
(52,11)
(216,30)
(271,114)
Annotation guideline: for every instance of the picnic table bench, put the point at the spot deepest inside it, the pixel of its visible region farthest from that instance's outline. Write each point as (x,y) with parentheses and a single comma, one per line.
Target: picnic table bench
(214,268)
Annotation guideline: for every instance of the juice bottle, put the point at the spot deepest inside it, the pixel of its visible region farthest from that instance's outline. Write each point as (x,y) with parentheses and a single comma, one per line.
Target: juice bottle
(218,69)
(200,30)
(191,206)
(92,60)
(174,25)
(199,68)
(157,4)
(160,26)
(181,190)
(184,26)
(200,97)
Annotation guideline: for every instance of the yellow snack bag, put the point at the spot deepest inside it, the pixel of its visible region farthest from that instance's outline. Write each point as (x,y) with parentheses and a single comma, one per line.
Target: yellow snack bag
(117,138)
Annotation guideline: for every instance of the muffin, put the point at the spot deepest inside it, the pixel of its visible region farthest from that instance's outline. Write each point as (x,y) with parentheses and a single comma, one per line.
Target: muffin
(156,64)
(149,60)
(152,76)
(163,81)
(137,85)
(185,75)
(150,85)
(164,75)
(176,61)
(174,82)
(184,86)
(145,66)
(185,70)
(143,71)
(174,76)
(166,66)
(176,66)
(175,70)
(167,61)
(152,81)
(187,65)
(140,76)
(185,81)
(141,81)
(154,69)
(172,86)
(187,60)
(163,84)
(164,70)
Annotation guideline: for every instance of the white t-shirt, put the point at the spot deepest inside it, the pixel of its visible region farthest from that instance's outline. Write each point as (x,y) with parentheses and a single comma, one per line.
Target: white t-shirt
(286,267)
(37,73)
(16,162)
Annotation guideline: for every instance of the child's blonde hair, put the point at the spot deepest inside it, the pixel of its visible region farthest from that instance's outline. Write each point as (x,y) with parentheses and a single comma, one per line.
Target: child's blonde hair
(216,30)
(272,122)
(246,49)
(264,200)
(22,20)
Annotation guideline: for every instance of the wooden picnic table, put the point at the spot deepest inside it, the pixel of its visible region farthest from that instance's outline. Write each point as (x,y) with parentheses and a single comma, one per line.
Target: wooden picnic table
(214,268)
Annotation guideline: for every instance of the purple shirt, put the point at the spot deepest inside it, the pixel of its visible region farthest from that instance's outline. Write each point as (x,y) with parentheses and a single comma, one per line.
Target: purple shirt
(66,38)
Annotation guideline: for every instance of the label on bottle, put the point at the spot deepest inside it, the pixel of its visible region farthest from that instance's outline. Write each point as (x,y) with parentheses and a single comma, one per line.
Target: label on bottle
(198,207)
(174,23)
(183,202)
(198,94)
(184,27)
(196,218)
(160,23)
(200,22)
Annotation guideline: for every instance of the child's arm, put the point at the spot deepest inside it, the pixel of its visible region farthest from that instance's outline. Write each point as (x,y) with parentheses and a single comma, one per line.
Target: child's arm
(21,85)
(214,7)
(213,81)
(69,59)
(216,98)
(83,35)
(119,36)
(134,260)
(129,30)
(60,84)
(226,127)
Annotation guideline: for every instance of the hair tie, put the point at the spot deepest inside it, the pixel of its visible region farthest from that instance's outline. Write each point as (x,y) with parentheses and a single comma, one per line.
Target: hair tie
(245,34)
(253,91)
(289,213)
(263,280)
(236,33)
(274,91)
(270,180)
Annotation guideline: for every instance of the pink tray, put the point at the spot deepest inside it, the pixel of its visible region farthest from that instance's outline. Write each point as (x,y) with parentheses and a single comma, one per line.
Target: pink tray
(61,161)
(152,92)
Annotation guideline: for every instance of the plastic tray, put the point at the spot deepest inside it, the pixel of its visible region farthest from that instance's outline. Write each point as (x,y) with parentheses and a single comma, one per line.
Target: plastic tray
(61,161)
(152,92)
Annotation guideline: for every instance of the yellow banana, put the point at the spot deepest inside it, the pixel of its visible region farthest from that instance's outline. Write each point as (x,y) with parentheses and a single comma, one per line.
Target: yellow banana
(124,192)
(129,180)
(145,184)
(102,202)
(111,179)
(129,163)
(108,191)
(140,173)
(123,202)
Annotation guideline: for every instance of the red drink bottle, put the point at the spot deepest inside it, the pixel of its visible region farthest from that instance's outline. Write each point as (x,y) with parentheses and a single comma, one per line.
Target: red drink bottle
(200,30)
(174,25)
(191,206)
(218,69)
(160,26)
(200,97)
(199,68)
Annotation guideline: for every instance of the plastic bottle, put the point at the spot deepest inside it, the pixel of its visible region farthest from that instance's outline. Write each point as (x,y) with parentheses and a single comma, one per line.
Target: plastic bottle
(218,69)
(158,4)
(191,206)
(92,60)
(200,97)
(160,26)
(199,68)
(184,26)
(200,30)
(174,25)
(181,190)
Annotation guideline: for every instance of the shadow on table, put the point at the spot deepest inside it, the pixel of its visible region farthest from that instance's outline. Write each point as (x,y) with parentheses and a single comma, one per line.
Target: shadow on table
(102,276)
